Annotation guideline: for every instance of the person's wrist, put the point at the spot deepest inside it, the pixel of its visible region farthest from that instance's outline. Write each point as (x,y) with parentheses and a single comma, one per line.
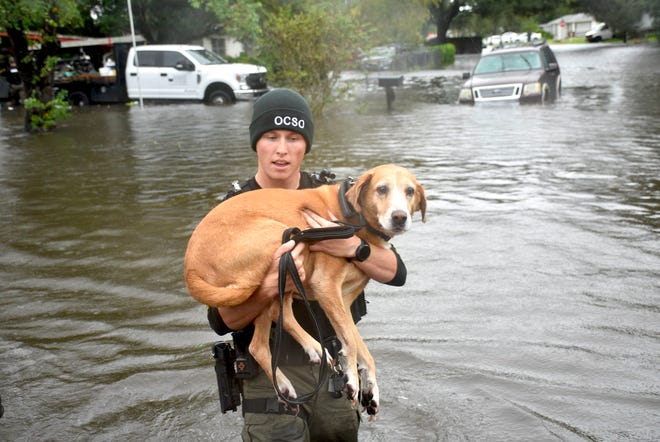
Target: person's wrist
(362,251)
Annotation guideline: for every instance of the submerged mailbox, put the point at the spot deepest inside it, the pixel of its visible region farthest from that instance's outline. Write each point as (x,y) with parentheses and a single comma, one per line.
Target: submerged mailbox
(389,83)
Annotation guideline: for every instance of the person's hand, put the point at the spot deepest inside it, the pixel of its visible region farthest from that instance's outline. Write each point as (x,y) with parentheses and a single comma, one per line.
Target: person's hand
(342,248)
(270,282)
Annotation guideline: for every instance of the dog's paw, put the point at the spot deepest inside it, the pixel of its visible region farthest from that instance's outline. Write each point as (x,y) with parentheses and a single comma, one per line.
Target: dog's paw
(315,354)
(285,387)
(369,405)
(369,396)
(314,357)
(351,389)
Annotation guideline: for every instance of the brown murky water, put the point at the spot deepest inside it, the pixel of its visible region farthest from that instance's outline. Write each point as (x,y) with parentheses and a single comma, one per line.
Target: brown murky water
(532,308)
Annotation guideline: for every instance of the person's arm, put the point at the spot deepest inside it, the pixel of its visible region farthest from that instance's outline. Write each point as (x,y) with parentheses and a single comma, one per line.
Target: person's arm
(240,316)
(382,264)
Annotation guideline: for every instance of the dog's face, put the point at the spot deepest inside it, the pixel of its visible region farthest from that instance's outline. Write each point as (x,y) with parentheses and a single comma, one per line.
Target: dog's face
(387,196)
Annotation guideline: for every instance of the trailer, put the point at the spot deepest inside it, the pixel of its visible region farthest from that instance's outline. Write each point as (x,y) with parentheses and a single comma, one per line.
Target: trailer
(92,70)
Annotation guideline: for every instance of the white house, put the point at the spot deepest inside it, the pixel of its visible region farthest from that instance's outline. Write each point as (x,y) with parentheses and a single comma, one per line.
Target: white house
(573,25)
(225,46)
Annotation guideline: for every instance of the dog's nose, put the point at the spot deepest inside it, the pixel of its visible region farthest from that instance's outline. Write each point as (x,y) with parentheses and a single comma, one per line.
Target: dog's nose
(399,217)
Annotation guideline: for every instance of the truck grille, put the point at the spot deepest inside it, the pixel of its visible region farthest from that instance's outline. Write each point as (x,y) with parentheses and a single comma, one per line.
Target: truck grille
(256,81)
(499,92)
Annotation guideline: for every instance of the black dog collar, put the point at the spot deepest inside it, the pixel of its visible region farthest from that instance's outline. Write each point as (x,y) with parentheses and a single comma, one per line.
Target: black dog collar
(348,211)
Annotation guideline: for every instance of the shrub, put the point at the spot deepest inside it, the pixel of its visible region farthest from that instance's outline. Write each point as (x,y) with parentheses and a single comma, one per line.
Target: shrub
(442,55)
(44,116)
(307,51)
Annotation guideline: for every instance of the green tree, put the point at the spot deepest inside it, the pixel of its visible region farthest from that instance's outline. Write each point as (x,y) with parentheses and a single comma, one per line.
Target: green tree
(653,8)
(393,21)
(237,18)
(493,15)
(307,50)
(304,43)
(158,21)
(442,14)
(20,18)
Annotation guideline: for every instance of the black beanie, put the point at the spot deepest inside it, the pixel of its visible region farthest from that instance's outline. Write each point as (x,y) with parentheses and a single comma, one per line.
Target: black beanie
(281,109)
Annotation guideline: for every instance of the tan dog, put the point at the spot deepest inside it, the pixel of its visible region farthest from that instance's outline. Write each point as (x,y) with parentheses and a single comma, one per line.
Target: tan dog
(231,250)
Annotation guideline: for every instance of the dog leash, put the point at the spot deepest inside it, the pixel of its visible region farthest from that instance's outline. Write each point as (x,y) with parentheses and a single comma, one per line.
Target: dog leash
(288,265)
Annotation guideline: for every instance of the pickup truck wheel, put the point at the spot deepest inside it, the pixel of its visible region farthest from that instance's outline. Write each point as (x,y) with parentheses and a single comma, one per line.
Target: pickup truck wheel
(78,99)
(218,97)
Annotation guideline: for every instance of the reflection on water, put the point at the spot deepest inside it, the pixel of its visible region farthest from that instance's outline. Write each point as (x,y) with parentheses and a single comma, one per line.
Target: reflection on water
(531,310)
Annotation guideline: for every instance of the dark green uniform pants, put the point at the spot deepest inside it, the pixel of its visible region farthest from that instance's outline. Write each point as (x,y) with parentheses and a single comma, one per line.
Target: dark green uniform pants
(327,418)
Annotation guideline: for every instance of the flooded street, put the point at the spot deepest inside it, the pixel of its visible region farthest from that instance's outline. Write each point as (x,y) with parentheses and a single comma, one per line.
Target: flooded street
(532,306)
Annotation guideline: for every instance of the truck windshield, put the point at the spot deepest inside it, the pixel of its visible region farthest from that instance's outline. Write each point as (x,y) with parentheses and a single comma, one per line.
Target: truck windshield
(508,62)
(206,57)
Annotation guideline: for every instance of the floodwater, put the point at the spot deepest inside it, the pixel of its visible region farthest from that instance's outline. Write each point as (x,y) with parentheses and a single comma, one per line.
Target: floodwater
(532,307)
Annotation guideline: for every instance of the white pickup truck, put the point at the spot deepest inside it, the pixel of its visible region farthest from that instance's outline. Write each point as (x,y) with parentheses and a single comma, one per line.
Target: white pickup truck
(183,72)
(598,33)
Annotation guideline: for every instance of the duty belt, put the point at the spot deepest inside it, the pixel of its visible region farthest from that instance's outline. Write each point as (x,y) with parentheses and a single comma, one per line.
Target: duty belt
(270,406)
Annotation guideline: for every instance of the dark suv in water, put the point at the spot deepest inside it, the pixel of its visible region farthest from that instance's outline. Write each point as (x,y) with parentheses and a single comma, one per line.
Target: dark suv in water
(519,73)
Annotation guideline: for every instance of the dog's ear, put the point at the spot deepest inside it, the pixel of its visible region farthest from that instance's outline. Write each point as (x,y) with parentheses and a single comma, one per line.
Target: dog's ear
(353,194)
(421,201)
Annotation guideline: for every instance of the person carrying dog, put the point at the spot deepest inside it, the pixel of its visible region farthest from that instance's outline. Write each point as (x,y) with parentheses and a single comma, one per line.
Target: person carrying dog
(281,133)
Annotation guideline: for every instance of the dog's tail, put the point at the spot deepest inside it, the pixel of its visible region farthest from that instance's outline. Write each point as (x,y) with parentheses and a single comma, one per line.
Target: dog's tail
(214,296)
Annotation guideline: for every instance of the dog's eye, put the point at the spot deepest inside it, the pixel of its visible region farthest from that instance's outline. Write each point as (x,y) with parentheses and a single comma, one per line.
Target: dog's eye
(410,191)
(382,190)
